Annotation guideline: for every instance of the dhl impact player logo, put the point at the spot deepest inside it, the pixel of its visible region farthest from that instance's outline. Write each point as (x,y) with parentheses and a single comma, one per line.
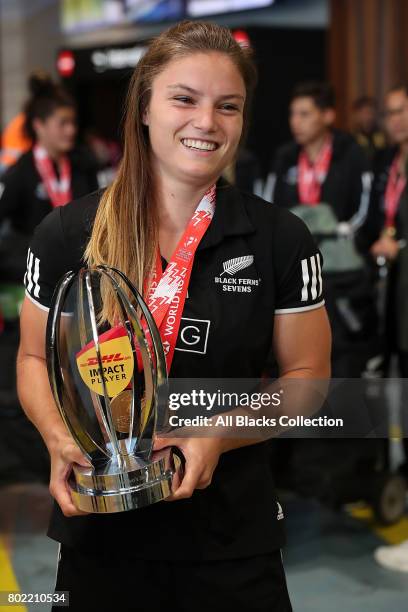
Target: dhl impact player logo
(117,363)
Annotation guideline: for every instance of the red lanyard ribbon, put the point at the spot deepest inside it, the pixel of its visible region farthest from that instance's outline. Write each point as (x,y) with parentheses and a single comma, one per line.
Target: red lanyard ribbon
(58,191)
(312,175)
(395,186)
(168,290)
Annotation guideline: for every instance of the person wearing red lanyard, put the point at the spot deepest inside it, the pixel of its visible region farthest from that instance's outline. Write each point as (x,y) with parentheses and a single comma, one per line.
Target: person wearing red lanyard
(52,172)
(386,233)
(226,277)
(321,164)
(326,165)
(46,176)
(390,190)
(386,229)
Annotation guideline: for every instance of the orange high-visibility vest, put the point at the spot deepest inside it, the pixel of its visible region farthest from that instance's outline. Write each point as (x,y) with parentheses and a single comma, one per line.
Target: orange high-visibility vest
(14,141)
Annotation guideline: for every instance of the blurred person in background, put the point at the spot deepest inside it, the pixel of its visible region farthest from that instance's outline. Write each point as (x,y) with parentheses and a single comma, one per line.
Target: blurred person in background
(14,140)
(50,174)
(323,165)
(366,130)
(386,232)
(324,177)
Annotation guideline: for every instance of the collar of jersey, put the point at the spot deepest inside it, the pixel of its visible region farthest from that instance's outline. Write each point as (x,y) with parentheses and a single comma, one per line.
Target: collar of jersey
(230,216)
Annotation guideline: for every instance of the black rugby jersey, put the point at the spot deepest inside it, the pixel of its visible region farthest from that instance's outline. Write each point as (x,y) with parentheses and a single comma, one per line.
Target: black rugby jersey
(225,332)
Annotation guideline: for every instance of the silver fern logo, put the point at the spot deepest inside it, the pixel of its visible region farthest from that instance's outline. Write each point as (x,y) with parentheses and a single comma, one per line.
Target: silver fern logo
(232,266)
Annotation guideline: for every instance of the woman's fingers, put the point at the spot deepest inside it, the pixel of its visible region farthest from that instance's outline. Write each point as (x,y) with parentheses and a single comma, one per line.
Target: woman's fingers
(71,453)
(194,478)
(189,482)
(62,495)
(201,458)
(61,465)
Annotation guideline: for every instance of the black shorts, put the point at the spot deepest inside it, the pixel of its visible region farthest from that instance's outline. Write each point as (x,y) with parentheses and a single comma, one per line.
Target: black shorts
(102,582)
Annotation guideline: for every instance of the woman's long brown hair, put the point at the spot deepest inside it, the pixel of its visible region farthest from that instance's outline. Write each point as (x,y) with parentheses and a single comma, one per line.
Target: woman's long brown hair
(125,232)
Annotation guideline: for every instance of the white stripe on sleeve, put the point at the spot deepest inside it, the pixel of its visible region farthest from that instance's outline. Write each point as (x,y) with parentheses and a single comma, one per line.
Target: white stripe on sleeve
(36,278)
(25,275)
(305,275)
(319,269)
(29,279)
(313,289)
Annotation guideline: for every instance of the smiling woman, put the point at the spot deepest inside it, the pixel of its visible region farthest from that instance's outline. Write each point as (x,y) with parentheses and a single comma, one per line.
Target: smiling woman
(167,221)
(195,136)
(194,84)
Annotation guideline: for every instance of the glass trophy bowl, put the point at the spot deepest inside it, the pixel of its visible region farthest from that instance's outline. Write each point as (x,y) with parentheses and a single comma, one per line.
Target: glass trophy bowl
(109,382)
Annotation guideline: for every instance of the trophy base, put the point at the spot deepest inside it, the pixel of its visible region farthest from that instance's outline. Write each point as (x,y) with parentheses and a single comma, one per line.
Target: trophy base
(111,488)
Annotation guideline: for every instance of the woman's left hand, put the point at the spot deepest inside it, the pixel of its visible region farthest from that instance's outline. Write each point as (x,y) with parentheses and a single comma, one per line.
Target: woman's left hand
(201,458)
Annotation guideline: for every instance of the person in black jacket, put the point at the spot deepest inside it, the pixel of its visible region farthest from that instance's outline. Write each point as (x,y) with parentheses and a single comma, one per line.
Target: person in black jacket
(320,155)
(324,165)
(50,174)
(323,171)
(385,233)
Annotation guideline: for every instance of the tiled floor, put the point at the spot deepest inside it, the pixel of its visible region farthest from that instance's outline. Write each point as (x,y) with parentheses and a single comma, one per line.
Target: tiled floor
(330,565)
(328,558)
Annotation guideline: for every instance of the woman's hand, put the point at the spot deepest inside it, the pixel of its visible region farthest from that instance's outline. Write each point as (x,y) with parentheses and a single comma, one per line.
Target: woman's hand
(63,454)
(201,456)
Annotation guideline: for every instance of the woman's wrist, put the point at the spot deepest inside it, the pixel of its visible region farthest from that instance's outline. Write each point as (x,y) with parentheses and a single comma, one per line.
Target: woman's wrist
(55,437)
(231,443)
